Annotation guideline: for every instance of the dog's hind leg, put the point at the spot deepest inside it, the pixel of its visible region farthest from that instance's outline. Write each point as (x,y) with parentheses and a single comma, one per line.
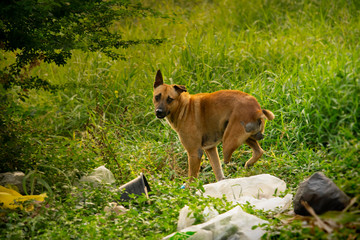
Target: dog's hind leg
(213,156)
(234,136)
(257,152)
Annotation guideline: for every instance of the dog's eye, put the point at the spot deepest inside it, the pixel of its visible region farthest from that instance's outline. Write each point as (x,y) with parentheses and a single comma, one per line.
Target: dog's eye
(157,97)
(169,100)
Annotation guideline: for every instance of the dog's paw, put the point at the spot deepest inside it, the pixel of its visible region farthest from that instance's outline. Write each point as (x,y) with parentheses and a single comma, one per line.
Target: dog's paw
(224,178)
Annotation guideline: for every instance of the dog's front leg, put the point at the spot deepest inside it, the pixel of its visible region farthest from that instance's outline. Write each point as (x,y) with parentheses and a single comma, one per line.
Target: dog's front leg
(194,160)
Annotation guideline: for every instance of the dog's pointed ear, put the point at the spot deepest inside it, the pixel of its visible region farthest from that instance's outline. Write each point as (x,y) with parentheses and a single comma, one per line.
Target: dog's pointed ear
(158,79)
(180,88)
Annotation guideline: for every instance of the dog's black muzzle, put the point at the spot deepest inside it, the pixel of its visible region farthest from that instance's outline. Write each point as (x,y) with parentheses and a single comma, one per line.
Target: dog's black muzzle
(160,113)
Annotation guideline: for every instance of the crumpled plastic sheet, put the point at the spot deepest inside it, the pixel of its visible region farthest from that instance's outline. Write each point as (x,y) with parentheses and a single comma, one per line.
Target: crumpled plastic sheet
(234,224)
(99,175)
(259,191)
(258,186)
(11,199)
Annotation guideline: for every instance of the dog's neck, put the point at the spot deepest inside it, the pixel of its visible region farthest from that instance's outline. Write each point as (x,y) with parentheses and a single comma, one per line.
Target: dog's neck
(177,117)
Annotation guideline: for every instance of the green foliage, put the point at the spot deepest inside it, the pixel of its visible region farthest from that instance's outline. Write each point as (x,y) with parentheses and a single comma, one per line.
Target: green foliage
(48,31)
(81,214)
(300,59)
(182,236)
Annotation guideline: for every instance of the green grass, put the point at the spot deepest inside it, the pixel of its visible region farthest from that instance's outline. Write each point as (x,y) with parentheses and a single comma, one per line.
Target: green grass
(300,59)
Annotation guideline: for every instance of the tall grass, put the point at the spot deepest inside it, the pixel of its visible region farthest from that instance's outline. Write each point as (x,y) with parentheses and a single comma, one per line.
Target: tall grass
(300,59)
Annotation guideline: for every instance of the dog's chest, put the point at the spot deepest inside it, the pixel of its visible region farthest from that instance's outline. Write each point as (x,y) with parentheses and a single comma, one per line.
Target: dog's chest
(209,140)
(213,135)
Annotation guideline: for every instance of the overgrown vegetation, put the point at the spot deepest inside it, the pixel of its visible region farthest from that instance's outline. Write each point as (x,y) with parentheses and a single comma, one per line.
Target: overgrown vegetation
(300,59)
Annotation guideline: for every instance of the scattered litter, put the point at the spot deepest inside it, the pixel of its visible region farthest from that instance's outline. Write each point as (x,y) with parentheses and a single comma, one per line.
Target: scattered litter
(137,186)
(321,194)
(234,224)
(186,217)
(258,186)
(11,199)
(13,180)
(271,204)
(100,175)
(259,191)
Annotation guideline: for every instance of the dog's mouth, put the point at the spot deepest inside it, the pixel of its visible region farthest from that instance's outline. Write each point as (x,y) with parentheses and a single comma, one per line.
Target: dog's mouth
(161,113)
(160,116)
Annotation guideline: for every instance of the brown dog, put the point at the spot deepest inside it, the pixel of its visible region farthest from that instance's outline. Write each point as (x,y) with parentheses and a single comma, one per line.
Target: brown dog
(203,120)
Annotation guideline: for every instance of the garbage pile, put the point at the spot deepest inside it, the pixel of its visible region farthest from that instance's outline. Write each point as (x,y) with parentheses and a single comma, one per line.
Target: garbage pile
(259,191)
(316,195)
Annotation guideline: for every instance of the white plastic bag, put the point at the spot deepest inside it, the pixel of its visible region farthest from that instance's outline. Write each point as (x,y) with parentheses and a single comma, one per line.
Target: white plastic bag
(260,191)
(99,175)
(234,224)
(186,217)
(258,186)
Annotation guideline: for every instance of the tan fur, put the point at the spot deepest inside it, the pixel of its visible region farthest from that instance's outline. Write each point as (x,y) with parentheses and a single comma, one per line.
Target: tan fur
(203,120)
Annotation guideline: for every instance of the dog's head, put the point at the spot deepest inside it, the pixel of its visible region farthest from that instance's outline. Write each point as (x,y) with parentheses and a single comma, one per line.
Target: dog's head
(166,97)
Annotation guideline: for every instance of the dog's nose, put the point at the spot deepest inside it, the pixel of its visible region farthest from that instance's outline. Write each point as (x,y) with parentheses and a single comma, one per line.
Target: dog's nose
(160,113)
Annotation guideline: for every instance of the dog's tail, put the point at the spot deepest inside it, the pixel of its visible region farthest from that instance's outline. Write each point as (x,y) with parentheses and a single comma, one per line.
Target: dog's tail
(258,125)
(268,114)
